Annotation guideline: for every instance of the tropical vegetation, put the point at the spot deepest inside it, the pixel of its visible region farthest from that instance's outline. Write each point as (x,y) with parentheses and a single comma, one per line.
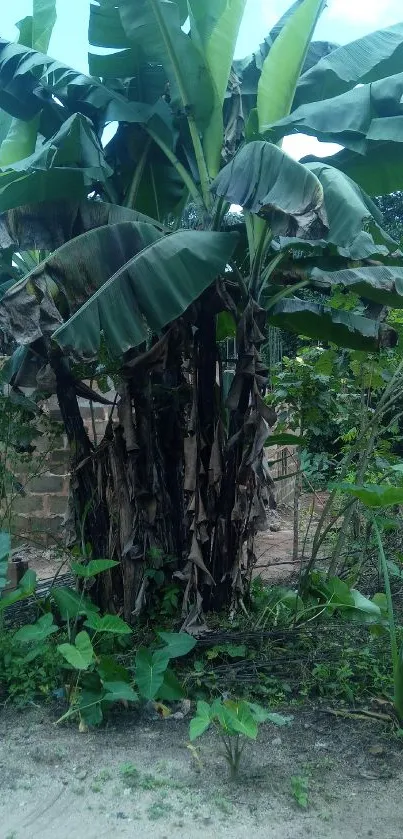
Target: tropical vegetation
(122,265)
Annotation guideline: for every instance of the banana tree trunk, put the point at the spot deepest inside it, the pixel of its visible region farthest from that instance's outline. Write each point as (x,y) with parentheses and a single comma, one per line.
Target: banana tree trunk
(180,472)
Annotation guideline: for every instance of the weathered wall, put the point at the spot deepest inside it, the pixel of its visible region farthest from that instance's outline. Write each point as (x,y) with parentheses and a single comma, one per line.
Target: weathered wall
(38,515)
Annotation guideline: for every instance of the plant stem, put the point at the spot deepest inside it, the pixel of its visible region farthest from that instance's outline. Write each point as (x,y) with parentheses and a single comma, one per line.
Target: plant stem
(131,195)
(397,658)
(182,172)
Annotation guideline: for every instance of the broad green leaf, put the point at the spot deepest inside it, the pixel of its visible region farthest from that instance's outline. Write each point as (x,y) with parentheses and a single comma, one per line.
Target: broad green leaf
(155,26)
(119,691)
(364,605)
(282,67)
(72,603)
(375,496)
(27,78)
(109,623)
(43,21)
(20,141)
(240,719)
(90,707)
(153,288)
(111,671)
(149,673)
(93,567)
(263,179)
(177,643)
(260,714)
(355,223)
(80,654)
(70,276)
(373,57)
(37,631)
(379,283)
(367,121)
(26,588)
(331,325)
(171,689)
(22,134)
(200,723)
(378,168)
(214,26)
(66,165)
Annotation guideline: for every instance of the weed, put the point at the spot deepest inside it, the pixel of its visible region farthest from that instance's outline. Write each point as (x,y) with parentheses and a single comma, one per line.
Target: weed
(223,804)
(233,720)
(300,789)
(158,810)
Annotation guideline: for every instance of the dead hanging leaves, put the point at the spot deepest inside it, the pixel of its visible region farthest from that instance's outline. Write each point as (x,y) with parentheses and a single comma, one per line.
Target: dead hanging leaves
(183,472)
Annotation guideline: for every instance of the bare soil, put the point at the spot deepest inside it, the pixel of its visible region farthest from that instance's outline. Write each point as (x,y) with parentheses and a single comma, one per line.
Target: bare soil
(57,783)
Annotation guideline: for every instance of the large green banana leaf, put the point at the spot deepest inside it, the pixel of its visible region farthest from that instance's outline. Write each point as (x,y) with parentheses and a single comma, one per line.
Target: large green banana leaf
(379,171)
(248,69)
(368,122)
(27,78)
(263,179)
(283,65)
(147,293)
(214,26)
(352,119)
(331,325)
(379,283)
(39,303)
(49,225)
(355,222)
(35,32)
(367,59)
(65,166)
(154,26)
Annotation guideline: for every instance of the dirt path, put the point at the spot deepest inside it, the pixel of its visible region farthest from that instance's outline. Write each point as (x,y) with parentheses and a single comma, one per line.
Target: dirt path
(137,779)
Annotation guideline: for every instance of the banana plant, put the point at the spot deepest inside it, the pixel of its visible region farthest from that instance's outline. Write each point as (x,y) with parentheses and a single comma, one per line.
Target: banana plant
(149,301)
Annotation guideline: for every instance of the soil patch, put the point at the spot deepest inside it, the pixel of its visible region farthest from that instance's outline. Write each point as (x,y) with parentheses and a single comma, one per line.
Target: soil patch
(137,778)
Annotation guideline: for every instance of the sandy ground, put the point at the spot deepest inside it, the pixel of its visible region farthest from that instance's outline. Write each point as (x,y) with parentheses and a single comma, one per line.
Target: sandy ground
(136,778)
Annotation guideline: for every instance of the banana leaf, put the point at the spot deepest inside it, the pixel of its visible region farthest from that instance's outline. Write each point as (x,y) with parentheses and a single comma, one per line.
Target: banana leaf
(29,80)
(264,180)
(282,67)
(39,303)
(65,166)
(48,225)
(150,291)
(355,222)
(345,329)
(373,57)
(155,27)
(379,283)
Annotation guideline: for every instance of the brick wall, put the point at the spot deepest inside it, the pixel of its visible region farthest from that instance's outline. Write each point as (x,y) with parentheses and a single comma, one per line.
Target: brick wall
(38,515)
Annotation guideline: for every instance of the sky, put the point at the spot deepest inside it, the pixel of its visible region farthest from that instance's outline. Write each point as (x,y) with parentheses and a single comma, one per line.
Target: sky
(342,21)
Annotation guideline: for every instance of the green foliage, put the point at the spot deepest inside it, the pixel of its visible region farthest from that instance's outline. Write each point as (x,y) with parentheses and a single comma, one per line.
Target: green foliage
(232,720)
(28,669)
(300,790)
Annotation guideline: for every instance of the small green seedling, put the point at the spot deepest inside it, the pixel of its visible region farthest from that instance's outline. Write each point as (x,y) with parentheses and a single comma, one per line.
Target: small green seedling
(300,790)
(235,721)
